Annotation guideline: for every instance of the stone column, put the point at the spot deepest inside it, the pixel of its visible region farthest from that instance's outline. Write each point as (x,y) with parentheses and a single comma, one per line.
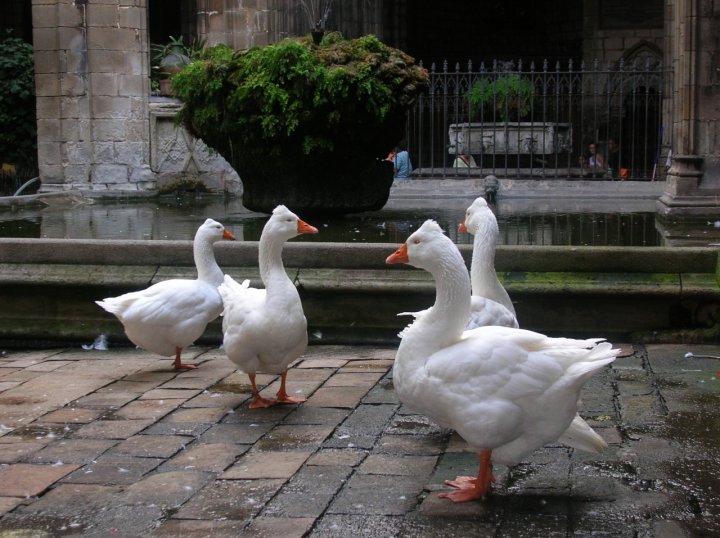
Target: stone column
(693,181)
(92,87)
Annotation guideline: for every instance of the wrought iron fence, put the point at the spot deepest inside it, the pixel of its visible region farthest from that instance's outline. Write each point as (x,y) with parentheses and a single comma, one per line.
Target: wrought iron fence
(513,121)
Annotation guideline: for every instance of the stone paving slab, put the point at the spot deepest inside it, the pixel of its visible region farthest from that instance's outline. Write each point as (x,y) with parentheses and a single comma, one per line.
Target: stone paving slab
(116,443)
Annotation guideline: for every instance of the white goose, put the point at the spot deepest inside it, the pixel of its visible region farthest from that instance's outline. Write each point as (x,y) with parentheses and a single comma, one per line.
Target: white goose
(491,304)
(506,391)
(265,329)
(170,315)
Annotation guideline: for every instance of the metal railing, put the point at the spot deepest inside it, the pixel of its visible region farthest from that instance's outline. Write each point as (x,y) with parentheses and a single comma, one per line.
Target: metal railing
(452,134)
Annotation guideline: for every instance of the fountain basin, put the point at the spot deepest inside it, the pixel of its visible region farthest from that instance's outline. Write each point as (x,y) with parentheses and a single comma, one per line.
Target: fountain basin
(48,288)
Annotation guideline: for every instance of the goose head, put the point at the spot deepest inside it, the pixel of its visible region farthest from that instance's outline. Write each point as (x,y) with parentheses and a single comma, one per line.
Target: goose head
(426,248)
(212,231)
(284,224)
(479,219)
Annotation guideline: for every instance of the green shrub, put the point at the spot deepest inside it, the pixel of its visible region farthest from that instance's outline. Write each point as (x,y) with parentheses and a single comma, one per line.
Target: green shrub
(264,100)
(506,98)
(18,136)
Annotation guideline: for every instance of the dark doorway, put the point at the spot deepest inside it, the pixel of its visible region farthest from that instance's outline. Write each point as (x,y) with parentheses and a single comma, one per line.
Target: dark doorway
(16,19)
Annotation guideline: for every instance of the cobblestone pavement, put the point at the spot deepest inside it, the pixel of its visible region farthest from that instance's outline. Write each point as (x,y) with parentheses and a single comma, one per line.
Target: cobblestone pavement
(115,443)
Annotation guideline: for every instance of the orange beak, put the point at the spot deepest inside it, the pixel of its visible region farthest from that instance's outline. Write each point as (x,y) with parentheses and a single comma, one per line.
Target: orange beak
(399,256)
(228,235)
(462,228)
(304,228)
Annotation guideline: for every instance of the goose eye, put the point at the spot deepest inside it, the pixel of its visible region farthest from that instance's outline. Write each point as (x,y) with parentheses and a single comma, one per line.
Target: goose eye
(416,241)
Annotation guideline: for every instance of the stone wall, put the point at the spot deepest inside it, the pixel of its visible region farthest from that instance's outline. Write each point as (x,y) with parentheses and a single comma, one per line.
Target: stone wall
(92,86)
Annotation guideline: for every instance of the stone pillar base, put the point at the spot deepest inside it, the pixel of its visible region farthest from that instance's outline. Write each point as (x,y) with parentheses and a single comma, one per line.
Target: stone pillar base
(683,195)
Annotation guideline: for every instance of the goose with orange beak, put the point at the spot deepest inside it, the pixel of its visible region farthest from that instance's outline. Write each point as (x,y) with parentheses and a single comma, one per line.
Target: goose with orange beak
(264,330)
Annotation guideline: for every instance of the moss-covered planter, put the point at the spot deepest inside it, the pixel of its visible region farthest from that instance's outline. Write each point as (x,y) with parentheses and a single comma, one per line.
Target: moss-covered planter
(304,125)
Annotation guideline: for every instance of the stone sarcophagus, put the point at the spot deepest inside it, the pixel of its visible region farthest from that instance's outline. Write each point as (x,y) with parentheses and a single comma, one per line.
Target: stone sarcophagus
(512,138)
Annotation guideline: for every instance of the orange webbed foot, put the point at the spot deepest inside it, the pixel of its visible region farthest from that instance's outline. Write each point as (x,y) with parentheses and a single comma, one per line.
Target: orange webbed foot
(461,495)
(280,399)
(469,488)
(258,402)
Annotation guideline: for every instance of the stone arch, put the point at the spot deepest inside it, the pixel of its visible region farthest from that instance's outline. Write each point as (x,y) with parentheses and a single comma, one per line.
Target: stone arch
(642,54)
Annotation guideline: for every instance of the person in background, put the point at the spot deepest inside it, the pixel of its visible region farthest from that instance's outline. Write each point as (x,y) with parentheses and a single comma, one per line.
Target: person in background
(401,162)
(593,161)
(613,158)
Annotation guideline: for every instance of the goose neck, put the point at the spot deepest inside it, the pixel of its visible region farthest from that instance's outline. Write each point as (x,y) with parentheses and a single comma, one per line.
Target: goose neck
(271,265)
(207,268)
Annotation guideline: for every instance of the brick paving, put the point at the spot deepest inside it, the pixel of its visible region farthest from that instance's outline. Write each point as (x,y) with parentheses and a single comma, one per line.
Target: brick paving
(115,443)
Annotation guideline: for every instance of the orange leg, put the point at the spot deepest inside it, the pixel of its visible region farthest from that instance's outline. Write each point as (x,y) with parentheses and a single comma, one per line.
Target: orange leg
(258,401)
(468,488)
(282,395)
(178,363)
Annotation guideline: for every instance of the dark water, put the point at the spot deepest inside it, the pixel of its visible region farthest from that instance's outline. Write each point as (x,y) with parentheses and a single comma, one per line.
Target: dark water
(178,218)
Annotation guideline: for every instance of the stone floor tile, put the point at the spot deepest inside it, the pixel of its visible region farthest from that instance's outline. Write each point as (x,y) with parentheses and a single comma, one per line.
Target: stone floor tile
(237,500)
(48,366)
(8,504)
(196,414)
(291,527)
(74,415)
(8,371)
(266,465)
(382,392)
(152,377)
(174,528)
(362,428)
(377,494)
(21,375)
(138,387)
(5,385)
(235,433)
(418,445)
(347,397)
(192,383)
(333,456)
(245,415)
(147,409)
(105,400)
(150,446)
(205,457)
(308,492)
(418,466)
(294,437)
(322,416)
(322,363)
(186,429)
(166,490)
(44,431)
(113,470)
(335,525)
(112,429)
(14,449)
(368,366)
(72,451)
(224,400)
(170,394)
(27,480)
(354,379)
